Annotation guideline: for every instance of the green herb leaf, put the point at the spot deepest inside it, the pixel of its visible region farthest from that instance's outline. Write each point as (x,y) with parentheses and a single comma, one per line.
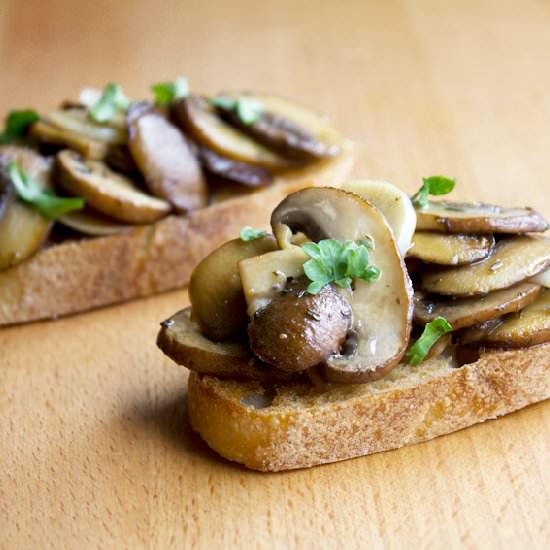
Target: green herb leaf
(166,92)
(16,125)
(46,202)
(430,335)
(248,109)
(112,101)
(338,262)
(250,234)
(434,185)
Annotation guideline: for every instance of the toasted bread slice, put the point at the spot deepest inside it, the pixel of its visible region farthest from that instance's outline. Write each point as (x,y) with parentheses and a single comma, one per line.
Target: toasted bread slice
(284,426)
(80,275)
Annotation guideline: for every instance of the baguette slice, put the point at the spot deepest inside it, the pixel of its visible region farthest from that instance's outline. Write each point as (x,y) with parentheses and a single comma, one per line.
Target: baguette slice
(84,274)
(287,426)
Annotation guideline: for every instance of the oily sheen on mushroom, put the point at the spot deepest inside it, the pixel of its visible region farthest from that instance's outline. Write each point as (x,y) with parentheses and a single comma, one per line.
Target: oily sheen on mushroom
(382,309)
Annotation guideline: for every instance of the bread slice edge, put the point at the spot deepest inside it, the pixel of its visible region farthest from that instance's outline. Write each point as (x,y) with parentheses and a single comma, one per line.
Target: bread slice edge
(302,427)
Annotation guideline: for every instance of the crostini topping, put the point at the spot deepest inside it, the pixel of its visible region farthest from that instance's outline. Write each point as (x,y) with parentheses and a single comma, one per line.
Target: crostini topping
(167,92)
(16,124)
(45,201)
(247,109)
(248,233)
(333,261)
(394,204)
(432,332)
(434,185)
(111,102)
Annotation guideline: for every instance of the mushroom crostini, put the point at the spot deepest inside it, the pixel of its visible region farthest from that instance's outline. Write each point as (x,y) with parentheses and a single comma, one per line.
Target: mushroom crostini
(298,338)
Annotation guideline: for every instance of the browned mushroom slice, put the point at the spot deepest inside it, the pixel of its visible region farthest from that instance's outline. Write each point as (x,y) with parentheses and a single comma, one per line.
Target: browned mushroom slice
(200,118)
(382,309)
(216,291)
(77,121)
(450,249)
(464,312)
(234,171)
(92,223)
(164,158)
(528,327)
(291,128)
(456,217)
(477,332)
(112,194)
(88,148)
(22,228)
(181,339)
(514,259)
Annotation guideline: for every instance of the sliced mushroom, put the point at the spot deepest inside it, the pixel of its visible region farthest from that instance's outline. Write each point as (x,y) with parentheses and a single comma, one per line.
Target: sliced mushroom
(382,309)
(542,279)
(22,228)
(88,148)
(164,158)
(514,259)
(477,332)
(200,118)
(294,130)
(297,330)
(443,249)
(92,223)
(442,344)
(108,192)
(234,171)
(465,312)
(394,204)
(78,121)
(181,339)
(216,291)
(263,277)
(528,327)
(457,217)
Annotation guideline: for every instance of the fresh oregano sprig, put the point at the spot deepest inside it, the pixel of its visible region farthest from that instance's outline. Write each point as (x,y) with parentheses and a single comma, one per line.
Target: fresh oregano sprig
(339,262)
(432,332)
(434,185)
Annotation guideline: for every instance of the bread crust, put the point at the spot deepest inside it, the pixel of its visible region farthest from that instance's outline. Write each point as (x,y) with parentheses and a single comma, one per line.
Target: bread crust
(290,426)
(80,275)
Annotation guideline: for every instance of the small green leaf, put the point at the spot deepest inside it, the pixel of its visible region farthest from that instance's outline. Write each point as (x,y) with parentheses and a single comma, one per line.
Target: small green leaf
(166,92)
(312,250)
(434,185)
(247,109)
(223,102)
(250,234)
(16,125)
(112,101)
(46,202)
(338,262)
(430,335)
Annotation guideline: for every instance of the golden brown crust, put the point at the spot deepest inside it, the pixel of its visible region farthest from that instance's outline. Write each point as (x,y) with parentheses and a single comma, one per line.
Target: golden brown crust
(302,426)
(80,275)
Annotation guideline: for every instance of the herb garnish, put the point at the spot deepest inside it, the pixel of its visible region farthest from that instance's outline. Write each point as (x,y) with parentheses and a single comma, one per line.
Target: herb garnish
(434,185)
(166,92)
(430,335)
(247,109)
(16,125)
(112,101)
(338,262)
(250,234)
(45,201)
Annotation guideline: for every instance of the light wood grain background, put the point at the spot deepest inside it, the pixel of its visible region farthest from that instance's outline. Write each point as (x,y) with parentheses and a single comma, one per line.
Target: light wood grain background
(95,451)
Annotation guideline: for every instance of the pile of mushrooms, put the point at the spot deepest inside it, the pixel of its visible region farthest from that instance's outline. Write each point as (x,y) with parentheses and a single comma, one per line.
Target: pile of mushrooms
(480,267)
(150,161)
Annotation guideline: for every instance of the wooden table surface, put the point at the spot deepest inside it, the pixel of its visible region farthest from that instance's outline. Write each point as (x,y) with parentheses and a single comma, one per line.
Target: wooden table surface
(94,445)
